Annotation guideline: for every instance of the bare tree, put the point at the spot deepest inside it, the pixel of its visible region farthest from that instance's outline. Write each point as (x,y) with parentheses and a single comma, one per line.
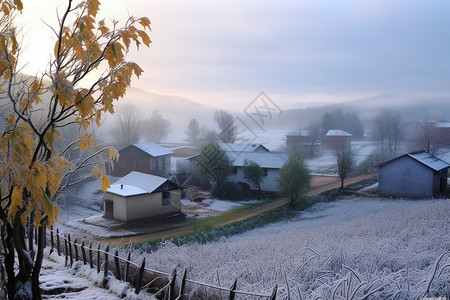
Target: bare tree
(225,121)
(345,159)
(127,128)
(193,131)
(388,131)
(156,128)
(428,137)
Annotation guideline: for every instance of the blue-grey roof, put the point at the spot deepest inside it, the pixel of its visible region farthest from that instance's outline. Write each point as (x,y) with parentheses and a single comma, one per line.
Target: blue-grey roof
(270,160)
(429,160)
(153,149)
(136,183)
(238,147)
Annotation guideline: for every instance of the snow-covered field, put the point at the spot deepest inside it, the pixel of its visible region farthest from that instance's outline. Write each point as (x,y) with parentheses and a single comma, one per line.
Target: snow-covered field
(337,250)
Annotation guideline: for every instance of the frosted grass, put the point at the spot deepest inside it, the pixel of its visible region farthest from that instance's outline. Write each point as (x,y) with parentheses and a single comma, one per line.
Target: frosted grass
(348,249)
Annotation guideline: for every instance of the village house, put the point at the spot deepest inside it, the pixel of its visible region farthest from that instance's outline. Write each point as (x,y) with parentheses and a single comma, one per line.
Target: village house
(140,196)
(417,175)
(148,158)
(337,140)
(303,142)
(270,162)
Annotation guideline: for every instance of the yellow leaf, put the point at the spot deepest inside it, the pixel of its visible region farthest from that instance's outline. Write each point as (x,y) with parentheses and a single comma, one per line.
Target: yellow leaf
(144,37)
(145,22)
(96,171)
(105,182)
(18,4)
(11,120)
(86,142)
(113,154)
(16,202)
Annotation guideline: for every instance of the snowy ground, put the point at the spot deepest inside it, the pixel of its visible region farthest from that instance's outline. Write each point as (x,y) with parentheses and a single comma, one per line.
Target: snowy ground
(81,282)
(343,248)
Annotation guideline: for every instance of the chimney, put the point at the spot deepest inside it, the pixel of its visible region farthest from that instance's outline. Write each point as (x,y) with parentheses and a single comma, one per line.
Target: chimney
(121,186)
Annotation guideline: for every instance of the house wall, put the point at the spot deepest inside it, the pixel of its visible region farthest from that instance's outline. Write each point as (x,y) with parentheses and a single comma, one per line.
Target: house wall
(269,183)
(133,159)
(143,206)
(337,142)
(405,177)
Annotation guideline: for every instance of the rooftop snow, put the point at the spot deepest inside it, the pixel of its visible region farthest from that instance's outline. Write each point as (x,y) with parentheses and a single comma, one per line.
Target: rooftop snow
(238,147)
(271,160)
(153,149)
(429,160)
(337,132)
(136,183)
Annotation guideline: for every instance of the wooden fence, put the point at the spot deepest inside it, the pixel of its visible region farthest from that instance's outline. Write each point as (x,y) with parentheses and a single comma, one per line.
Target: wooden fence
(160,283)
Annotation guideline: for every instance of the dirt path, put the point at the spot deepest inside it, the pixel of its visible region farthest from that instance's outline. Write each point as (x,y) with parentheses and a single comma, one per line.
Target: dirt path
(319,184)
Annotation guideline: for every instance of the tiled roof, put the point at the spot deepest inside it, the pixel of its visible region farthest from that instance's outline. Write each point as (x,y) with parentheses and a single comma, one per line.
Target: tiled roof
(153,149)
(271,160)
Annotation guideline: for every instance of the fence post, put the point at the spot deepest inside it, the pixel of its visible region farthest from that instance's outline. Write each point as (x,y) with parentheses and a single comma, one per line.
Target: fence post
(57,242)
(70,250)
(66,252)
(232,290)
(127,268)
(117,263)
(98,258)
(83,252)
(182,285)
(172,281)
(75,247)
(141,274)
(274,293)
(52,242)
(105,270)
(91,263)
(35,236)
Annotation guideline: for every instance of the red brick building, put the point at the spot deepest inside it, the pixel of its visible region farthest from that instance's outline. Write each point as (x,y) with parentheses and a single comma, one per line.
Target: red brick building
(337,140)
(148,158)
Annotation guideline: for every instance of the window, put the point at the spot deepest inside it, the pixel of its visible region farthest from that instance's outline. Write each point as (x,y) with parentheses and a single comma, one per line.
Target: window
(137,164)
(165,198)
(122,164)
(159,164)
(152,164)
(235,170)
(163,163)
(266,171)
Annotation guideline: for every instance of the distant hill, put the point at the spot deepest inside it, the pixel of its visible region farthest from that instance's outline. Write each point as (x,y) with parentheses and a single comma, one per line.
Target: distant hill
(368,108)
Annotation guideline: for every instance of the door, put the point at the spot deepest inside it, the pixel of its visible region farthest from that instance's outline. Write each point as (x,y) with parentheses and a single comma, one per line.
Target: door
(109,209)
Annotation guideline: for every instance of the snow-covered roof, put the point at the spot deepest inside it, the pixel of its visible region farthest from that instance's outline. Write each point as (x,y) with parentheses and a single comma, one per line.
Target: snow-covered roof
(238,147)
(153,149)
(443,124)
(337,132)
(429,160)
(424,158)
(270,160)
(136,183)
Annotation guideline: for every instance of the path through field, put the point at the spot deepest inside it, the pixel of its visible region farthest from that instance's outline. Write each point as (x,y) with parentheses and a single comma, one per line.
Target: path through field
(319,184)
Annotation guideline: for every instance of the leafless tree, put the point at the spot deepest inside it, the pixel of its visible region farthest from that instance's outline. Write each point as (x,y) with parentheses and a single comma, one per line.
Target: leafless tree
(127,128)
(388,131)
(156,128)
(345,159)
(225,121)
(428,137)
(193,131)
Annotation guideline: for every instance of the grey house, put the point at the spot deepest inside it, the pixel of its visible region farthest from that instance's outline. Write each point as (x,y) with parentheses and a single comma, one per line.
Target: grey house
(416,175)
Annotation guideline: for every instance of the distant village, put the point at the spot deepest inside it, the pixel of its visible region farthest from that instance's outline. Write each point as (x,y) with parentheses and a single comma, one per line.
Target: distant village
(152,178)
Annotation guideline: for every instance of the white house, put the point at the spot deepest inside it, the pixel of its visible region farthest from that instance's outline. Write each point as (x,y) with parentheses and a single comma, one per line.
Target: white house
(138,196)
(271,162)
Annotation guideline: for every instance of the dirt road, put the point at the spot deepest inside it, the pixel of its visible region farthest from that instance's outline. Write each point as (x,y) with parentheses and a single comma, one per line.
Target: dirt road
(319,184)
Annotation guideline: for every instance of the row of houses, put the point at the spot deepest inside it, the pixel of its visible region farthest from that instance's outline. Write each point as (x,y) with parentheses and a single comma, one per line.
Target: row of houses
(144,191)
(141,193)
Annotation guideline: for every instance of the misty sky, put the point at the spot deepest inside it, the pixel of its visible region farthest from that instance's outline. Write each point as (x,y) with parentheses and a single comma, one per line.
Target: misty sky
(226,52)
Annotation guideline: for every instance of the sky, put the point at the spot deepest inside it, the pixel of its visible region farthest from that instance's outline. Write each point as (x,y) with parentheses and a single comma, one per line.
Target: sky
(224,53)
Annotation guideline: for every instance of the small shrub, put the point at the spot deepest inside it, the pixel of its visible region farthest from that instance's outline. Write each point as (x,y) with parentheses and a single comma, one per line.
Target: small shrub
(228,190)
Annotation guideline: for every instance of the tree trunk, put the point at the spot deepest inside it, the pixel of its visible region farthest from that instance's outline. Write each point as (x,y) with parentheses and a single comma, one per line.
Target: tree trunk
(342,183)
